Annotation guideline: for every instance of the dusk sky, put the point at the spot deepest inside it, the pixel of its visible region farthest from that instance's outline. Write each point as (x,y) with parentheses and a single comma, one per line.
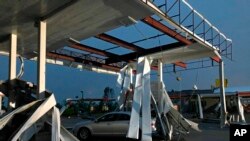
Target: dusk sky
(231,17)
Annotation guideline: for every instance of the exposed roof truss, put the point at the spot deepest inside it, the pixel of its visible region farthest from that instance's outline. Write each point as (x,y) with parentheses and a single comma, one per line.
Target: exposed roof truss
(72,19)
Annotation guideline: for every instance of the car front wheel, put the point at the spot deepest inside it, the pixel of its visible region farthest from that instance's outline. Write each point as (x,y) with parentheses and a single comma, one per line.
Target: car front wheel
(83,134)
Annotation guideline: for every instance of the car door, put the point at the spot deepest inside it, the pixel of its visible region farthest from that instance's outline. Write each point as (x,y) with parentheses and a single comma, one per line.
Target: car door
(121,124)
(103,125)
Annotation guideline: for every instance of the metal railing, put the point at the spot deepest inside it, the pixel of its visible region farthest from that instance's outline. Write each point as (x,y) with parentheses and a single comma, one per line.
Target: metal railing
(187,21)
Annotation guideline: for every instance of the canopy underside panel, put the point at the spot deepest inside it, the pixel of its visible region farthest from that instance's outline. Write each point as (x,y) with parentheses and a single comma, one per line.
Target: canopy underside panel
(81,20)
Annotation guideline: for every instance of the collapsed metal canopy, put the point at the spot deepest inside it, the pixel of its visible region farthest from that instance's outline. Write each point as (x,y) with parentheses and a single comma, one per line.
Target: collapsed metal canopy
(72,21)
(78,19)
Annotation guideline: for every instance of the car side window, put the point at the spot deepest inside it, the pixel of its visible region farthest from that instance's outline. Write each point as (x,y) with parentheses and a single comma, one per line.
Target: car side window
(109,117)
(123,117)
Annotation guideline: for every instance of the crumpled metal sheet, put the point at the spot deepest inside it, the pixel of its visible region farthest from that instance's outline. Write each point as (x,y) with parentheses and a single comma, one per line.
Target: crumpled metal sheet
(178,121)
(40,111)
(146,102)
(123,80)
(134,124)
(141,101)
(55,124)
(66,135)
(4,120)
(171,118)
(241,110)
(37,119)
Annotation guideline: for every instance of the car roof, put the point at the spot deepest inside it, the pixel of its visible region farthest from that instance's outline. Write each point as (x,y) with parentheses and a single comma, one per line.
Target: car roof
(116,112)
(119,112)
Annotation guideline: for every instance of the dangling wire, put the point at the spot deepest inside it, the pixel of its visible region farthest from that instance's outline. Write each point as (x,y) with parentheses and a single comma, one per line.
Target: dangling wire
(159,43)
(139,31)
(21,71)
(194,87)
(196,77)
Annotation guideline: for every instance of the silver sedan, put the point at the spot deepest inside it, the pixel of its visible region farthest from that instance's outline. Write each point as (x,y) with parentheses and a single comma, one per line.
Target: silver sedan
(110,124)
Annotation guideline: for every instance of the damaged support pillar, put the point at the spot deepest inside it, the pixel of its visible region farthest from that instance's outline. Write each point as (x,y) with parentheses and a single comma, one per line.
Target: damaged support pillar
(200,106)
(41,67)
(223,120)
(12,69)
(160,97)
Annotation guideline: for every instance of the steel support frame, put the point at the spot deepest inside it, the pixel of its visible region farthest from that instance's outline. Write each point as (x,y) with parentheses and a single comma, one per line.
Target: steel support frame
(135,55)
(168,31)
(131,76)
(159,108)
(41,66)
(223,110)
(12,69)
(12,57)
(80,60)
(165,17)
(93,50)
(200,106)
(89,49)
(127,45)
(119,42)
(160,80)
(160,88)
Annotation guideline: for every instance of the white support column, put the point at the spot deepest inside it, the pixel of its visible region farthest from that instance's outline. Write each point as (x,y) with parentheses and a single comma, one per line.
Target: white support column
(160,91)
(131,75)
(160,73)
(12,57)
(200,106)
(241,111)
(165,127)
(12,68)
(223,109)
(41,67)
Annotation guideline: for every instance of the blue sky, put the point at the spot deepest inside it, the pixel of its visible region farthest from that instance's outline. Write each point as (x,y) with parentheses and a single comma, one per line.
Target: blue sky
(230,16)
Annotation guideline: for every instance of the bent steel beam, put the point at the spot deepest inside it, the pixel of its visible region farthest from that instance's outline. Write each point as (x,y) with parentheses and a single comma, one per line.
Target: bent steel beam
(128,45)
(135,55)
(170,32)
(93,50)
(181,64)
(119,42)
(223,109)
(216,59)
(90,49)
